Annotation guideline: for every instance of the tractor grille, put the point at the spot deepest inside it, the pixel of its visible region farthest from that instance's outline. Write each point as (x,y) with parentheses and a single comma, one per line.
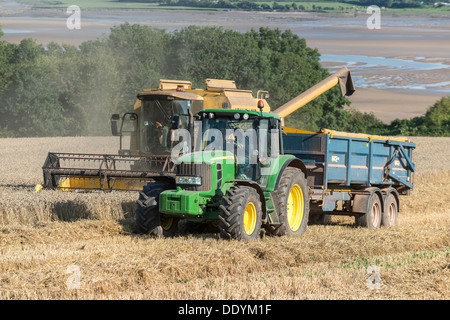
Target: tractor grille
(196,169)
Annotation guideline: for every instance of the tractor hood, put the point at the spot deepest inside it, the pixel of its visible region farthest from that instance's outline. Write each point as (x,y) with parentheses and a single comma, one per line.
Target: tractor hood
(210,156)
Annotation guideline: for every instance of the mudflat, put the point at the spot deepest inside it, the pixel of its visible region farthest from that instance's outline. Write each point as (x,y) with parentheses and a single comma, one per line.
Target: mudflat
(388,105)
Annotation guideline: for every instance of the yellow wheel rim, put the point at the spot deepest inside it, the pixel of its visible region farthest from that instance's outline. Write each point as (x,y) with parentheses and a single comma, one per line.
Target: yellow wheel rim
(250,218)
(295,206)
(166,223)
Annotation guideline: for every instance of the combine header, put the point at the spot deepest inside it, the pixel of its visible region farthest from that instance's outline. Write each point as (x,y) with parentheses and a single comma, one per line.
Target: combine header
(77,171)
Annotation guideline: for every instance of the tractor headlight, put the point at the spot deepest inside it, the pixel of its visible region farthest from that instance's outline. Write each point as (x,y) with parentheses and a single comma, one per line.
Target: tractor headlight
(191,180)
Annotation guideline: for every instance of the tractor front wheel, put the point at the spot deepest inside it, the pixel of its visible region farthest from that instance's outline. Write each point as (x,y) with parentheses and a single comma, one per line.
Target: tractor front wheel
(240,214)
(148,217)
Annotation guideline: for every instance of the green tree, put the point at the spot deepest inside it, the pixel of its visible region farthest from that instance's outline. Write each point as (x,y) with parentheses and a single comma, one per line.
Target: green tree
(198,53)
(364,122)
(141,56)
(435,122)
(291,69)
(30,105)
(7,61)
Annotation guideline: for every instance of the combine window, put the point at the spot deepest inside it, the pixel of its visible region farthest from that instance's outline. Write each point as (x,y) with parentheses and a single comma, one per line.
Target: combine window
(156,125)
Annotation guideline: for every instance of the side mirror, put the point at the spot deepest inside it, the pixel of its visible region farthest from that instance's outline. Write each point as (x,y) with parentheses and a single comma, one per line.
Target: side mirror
(175,122)
(114,128)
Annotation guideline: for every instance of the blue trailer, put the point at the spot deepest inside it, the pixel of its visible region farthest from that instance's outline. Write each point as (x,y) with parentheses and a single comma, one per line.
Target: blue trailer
(354,174)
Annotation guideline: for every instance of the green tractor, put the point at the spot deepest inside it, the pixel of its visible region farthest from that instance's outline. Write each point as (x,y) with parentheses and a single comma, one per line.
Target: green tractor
(237,179)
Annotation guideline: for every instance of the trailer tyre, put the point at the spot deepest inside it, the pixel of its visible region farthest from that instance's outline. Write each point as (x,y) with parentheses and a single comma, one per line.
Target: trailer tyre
(293,203)
(372,218)
(240,214)
(390,214)
(148,218)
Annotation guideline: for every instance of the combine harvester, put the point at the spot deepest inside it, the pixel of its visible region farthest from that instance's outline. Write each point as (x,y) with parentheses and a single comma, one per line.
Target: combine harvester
(301,175)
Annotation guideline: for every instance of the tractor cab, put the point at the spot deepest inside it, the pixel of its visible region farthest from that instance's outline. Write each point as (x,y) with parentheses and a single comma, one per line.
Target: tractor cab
(250,139)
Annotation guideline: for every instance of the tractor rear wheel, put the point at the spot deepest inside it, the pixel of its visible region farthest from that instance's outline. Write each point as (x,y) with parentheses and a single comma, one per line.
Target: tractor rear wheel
(293,203)
(240,214)
(148,218)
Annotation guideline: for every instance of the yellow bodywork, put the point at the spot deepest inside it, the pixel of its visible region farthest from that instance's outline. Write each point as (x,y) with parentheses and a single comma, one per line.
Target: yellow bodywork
(217,93)
(371,137)
(334,133)
(89,183)
(220,94)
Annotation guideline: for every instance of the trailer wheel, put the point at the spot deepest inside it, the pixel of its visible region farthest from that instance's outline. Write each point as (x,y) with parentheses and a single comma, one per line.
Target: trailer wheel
(390,214)
(240,214)
(293,203)
(372,218)
(148,218)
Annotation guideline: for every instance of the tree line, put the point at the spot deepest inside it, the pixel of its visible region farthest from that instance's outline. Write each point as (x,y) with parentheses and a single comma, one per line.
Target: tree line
(283,5)
(227,4)
(63,90)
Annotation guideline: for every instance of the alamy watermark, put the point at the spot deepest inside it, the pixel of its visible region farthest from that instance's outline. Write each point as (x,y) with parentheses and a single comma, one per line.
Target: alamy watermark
(74,280)
(374,280)
(73,22)
(374,21)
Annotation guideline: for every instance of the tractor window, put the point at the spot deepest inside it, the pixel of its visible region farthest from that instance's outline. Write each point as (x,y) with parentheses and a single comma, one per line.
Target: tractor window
(224,133)
(254,141)
(237,136)
(156,124)
(269,140)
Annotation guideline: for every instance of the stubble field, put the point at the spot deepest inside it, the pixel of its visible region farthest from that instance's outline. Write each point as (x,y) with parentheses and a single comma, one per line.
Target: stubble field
(49,238)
